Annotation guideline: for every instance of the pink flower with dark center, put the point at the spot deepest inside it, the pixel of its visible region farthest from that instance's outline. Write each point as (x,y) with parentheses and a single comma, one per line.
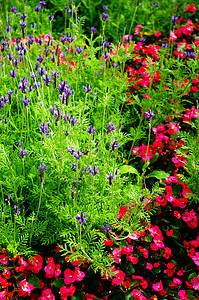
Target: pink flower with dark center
(158,286)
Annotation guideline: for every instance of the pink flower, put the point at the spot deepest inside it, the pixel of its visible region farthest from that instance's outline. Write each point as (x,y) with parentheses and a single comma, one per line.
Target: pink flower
(196,258)
(158,240)
(79,274)
(57,271)
(158,286)
(3,259)
(134,236)
(69,276)
(132,259)
(195,282)
(127,250)
(50,269)
(26,286)
(119,277)
(36,263)
(149,266)
(117,253)
(67,291)
(190,8)
(177,281)
(47,295)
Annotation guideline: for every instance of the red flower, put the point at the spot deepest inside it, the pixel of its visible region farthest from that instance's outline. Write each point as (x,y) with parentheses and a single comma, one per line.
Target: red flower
(119,277)
(67,291)
(69,276)
(108,242)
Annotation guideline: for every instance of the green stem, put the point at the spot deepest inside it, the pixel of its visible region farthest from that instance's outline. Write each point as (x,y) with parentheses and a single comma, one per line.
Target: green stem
(31,232)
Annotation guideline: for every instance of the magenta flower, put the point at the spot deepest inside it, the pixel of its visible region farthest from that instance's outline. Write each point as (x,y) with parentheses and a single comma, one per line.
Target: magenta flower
(26,286)
(158,286)
(195,282)
(196,258)
(117,253)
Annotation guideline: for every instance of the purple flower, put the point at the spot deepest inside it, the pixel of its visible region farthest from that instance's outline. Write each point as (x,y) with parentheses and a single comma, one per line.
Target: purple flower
(155,4)
(23,24)
(105,7)
(107,228)
(42,167)
(79,50)
(110,178)
(17,210)
(9,28)
(88,88)
(13,8)
(93,29)
(22,152)
(42,3)
(149,114)
(174,19)
(33,25)
(164,45)
(105,16)
(114,145)
(37,8)
(8,199)
(81,218)
(25,100)
(91,129)
(13,73)
(40,58)
(73,167)
(44,128)
(23,16)
(51,17)
(111,127)
(93,171)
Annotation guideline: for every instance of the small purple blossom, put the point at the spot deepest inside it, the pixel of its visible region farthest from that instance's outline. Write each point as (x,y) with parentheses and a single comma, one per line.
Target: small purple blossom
(149,114)
(110,178)
(91,129)
(81,218)
(105,7)
(37,8)
(42,3)
(111,127)
(88,88)
(93,171)
(107,227)
(105,16)
(114,145)
(93,29)
(42,167)
(23,152)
